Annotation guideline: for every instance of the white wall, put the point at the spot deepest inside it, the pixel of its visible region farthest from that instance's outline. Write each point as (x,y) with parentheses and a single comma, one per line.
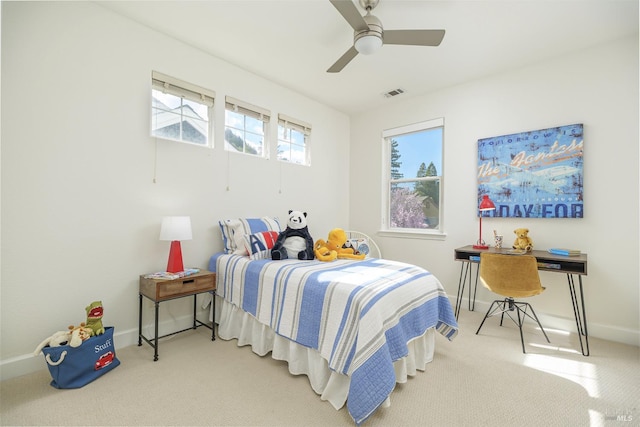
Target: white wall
(597,87)
(80,211)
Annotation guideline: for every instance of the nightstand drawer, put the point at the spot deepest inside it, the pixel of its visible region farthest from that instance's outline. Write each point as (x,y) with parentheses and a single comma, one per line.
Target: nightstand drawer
(185,286)
(161,289)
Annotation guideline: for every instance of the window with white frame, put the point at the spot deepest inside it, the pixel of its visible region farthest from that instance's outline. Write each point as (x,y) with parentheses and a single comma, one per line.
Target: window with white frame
(293,140)
(413,186)
(245,128)
(181,111)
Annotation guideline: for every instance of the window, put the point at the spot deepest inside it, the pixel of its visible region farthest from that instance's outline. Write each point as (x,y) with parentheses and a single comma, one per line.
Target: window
(180,111)
(293,140)
(413,184)
(245,127)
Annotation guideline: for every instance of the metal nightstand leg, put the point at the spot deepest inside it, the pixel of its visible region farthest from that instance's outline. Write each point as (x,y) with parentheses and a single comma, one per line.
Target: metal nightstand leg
(140,321)
(195,307)
(155,347)
(213,316)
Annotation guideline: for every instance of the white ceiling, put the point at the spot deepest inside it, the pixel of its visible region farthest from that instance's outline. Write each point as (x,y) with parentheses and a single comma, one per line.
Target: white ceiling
(294,42)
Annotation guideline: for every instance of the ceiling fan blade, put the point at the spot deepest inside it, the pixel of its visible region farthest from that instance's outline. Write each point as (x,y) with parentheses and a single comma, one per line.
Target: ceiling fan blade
(343,61)
(413,37)
(349,12)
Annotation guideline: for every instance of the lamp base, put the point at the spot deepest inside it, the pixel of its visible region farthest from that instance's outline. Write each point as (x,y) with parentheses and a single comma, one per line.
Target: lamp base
(174,265)
(480,247)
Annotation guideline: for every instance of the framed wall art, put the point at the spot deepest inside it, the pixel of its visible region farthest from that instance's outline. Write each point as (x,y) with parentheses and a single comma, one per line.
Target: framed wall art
(535,174)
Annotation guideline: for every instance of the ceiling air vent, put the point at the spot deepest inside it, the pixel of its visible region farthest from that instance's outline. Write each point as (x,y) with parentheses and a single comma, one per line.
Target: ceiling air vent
(394,92)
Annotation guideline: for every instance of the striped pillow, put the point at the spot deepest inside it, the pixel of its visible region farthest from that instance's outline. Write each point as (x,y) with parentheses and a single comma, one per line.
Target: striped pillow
(259,245)
(234,230)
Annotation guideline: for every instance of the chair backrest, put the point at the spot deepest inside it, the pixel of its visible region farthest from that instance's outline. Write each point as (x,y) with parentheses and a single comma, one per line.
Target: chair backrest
(510,275)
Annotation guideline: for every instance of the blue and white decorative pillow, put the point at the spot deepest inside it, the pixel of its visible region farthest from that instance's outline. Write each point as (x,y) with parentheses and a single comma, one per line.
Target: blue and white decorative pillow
(259,245)
(359,245)
(234,230)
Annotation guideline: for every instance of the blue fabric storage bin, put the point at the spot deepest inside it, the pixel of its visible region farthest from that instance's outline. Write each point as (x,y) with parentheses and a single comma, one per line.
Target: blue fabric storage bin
(75,367)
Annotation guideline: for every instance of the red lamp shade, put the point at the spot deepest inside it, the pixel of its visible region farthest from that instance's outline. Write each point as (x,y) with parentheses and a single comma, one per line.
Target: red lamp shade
(486,204)
(175,229)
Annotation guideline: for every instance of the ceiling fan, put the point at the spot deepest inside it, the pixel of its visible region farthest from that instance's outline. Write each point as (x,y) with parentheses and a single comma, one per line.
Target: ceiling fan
(369,35)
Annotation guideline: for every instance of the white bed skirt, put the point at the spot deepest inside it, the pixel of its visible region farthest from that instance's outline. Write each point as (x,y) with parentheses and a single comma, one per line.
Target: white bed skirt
(234,323)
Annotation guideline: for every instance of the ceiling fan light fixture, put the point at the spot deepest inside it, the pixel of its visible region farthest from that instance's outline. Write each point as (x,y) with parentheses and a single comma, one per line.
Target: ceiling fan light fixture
(369,35)
(368,44)
(369,41)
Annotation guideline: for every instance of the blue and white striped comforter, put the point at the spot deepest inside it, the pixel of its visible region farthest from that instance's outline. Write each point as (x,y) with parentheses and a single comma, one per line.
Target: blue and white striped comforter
(359,315)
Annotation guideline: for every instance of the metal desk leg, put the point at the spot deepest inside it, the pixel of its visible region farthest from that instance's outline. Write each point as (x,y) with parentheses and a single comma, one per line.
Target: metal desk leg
(461,282)
(155,347)
(581,319)
(472,306)
(466,270)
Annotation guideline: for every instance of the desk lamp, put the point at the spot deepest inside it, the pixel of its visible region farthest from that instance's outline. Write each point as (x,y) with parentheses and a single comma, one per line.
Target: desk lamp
(175,229)
(485,205)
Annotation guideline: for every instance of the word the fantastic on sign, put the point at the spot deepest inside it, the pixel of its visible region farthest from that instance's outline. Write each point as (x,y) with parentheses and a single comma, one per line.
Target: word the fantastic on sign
(536,174)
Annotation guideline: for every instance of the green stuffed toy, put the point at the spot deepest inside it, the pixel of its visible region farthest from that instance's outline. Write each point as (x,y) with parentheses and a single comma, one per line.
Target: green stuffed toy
(94,318)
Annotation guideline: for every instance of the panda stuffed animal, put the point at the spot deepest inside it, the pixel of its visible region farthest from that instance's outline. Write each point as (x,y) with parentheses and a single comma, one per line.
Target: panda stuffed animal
(294,242)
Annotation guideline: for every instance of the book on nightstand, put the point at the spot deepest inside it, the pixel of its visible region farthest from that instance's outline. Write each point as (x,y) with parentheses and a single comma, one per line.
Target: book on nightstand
(170,276)
(566,252)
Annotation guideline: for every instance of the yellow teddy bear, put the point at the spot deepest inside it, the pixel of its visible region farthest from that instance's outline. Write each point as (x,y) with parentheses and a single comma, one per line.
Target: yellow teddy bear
(332,249)
(523,241)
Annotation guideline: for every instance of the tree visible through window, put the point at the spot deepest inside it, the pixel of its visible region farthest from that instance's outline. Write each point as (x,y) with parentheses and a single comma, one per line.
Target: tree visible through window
(414,176)
(243,134)
(245,127)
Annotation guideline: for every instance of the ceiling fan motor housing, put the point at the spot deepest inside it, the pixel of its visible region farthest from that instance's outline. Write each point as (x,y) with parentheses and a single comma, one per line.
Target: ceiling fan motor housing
(368,4)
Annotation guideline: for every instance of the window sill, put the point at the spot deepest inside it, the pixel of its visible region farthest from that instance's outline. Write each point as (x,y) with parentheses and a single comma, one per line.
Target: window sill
(413,234)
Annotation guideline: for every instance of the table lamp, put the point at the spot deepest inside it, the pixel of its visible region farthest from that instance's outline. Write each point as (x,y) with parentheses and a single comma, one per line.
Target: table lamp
(485,205)
(175,229)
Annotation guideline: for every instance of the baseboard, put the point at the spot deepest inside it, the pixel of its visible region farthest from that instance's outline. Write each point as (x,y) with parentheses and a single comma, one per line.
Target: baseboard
(21,365)
(595,330)
(28,363)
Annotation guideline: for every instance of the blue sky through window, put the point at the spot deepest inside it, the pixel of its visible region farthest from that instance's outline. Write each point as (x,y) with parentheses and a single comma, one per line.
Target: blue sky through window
(417,148)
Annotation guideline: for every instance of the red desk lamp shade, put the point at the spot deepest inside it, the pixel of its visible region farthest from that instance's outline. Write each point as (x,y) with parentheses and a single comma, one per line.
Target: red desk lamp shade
(485,205)
(175,229)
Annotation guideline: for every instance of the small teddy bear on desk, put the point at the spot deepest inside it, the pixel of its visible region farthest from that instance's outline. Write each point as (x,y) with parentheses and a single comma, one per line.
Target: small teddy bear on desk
(523,241)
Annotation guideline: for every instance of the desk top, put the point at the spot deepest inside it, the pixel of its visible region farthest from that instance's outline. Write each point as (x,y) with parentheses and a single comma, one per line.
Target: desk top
(576,264)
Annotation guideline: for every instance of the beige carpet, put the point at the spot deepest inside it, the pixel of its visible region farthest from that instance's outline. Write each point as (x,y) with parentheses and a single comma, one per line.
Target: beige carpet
(476,380)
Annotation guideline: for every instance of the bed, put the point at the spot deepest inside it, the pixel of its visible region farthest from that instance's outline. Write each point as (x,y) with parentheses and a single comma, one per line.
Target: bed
(355,328)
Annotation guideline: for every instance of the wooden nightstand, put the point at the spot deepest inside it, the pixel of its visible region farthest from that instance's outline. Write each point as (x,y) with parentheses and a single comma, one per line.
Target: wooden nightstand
(159,290)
